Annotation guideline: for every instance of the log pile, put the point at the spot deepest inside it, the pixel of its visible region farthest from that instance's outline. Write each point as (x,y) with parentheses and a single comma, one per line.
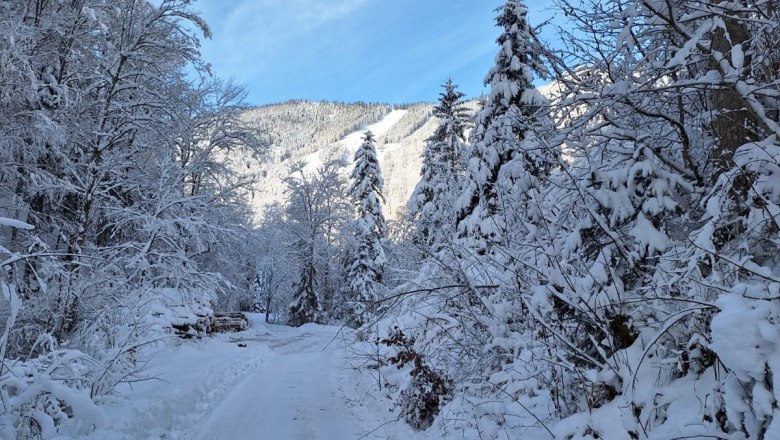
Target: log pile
(223,322)
(186,330)
(202,325)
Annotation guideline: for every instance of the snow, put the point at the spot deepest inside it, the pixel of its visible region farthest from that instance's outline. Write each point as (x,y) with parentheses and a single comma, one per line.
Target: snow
(186,383)
(383,126)
(352,141)
(15,223)
(648,236)
(286,383)
(744,336)
(296,396)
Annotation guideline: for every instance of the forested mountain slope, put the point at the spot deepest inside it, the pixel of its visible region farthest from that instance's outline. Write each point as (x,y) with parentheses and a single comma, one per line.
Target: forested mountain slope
(301,127)
(309,134)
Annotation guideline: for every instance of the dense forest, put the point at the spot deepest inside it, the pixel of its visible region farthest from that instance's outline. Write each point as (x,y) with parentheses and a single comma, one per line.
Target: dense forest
(305,127)
(607,265)
(598,262)
(119,212)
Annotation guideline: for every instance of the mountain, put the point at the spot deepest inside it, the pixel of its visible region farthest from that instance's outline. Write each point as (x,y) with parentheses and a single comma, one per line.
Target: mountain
(317,132)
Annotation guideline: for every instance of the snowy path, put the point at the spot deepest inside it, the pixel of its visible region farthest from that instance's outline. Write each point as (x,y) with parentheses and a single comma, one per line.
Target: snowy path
(269,382)
(295,395)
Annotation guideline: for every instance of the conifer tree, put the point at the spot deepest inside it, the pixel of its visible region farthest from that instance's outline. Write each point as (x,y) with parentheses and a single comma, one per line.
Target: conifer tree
(256,292)
(645,264)
(260,290)
(507,160)
(431,204)
(305,306)
(366,265)
(314,214)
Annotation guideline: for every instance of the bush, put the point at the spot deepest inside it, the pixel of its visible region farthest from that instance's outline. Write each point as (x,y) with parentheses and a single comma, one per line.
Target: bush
(428,391)
(48,396)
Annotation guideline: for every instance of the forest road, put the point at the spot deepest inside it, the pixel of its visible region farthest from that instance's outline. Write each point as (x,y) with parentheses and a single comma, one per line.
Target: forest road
(295,395)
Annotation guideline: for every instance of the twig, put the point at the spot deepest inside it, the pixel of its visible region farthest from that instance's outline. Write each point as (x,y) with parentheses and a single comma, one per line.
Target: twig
(434,289)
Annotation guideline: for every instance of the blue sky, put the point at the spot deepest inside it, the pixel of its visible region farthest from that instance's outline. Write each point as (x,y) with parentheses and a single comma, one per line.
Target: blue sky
(392,51)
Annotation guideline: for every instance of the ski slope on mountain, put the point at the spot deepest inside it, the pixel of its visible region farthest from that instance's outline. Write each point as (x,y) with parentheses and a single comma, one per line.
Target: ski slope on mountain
(401,135)
(352,141)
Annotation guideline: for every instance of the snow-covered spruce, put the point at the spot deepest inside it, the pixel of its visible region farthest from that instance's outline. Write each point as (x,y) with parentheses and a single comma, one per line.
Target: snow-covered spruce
(613,273)
(507,160)
(431,203)
(612,284)
(366,260)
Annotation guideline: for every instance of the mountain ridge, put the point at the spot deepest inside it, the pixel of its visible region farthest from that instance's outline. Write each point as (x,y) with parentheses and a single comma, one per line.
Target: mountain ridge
(320,131)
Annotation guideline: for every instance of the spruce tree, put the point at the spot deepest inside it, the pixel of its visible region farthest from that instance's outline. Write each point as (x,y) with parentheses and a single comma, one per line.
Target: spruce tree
(261,287)
(508,160)
(431,204)
(365,267)
(257,292)
(305,306)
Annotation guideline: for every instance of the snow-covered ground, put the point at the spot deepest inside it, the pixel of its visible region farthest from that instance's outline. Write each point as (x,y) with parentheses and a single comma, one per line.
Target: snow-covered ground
(296,395)
(283,383)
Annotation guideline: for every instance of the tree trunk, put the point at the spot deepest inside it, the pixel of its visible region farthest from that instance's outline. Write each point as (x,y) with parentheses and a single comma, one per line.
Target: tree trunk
(733,125)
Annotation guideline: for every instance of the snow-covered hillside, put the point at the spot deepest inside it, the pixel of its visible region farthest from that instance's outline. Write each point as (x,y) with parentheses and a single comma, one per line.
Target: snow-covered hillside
(350,143)
(302,133)
(299,133)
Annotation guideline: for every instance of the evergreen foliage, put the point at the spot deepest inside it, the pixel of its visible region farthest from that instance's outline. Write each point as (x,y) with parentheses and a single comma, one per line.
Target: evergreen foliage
(304,127)
(415,117)
(606,263)
(431,203)
(260,288)
(316,215)
(306,304)
(365,265)
(621,266)
(507,160)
